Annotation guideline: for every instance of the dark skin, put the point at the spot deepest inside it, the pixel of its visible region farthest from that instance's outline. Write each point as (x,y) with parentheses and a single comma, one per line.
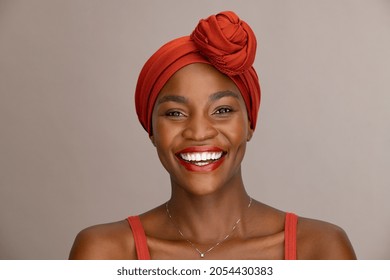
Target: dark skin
(199,106)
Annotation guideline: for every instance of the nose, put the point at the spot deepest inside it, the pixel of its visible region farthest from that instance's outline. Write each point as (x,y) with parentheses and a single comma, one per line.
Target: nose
(199,128)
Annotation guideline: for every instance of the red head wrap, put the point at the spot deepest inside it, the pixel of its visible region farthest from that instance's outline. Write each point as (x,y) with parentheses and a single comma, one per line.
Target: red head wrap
(222,40)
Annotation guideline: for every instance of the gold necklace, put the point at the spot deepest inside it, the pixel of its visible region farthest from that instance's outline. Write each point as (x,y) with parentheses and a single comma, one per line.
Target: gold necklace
(202,254)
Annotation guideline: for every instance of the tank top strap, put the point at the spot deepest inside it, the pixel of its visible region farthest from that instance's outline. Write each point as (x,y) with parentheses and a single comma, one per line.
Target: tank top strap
(290,237)
(141,245)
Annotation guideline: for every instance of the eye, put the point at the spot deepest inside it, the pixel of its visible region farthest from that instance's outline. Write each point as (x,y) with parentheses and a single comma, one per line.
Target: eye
(174,114)
(223,110)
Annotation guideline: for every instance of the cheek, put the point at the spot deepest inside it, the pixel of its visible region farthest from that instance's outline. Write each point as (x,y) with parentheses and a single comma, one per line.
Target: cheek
(238,137)
(163,149)
(163,133)
(165,138)
(239,129)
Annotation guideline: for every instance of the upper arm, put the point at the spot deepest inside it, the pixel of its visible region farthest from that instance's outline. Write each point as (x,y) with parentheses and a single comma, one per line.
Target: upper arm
(337,246)
(86,246)
(103,242)
(323,241)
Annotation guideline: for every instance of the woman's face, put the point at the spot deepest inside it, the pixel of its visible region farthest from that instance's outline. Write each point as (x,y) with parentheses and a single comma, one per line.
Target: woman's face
(200,129)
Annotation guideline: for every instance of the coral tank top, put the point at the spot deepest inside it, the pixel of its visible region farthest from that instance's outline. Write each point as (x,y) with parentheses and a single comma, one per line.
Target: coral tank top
(290,237)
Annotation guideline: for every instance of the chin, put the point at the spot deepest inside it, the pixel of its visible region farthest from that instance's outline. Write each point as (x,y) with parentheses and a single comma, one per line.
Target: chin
(200,184)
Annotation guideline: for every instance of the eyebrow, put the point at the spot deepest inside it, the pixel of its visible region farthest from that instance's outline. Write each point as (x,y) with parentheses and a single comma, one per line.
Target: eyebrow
(183,100)
(174,98)
(220,94)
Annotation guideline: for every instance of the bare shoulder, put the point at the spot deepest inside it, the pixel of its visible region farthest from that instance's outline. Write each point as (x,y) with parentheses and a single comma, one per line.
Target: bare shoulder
(104,242)
(320,240)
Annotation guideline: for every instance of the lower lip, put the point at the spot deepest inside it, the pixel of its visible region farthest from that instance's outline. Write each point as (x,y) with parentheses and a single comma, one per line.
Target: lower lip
(205,168)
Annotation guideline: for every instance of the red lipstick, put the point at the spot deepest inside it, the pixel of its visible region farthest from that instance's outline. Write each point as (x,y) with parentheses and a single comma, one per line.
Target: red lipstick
(207,165)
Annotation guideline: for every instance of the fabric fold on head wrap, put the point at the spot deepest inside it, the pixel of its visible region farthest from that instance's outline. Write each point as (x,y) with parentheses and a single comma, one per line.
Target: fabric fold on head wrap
(222,40)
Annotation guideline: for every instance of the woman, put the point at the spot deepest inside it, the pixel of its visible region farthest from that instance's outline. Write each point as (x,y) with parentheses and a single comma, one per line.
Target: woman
(198,98)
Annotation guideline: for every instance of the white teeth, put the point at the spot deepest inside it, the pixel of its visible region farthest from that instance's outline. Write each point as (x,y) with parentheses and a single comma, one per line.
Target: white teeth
(201,157)
(184,156)
(201,163)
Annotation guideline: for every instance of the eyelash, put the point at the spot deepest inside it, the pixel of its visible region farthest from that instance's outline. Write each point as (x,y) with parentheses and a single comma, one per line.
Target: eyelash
(223,110)
(174,114)
(218,111)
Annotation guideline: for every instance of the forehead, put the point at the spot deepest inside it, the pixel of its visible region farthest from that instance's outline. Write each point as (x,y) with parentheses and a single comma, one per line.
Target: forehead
(198,79)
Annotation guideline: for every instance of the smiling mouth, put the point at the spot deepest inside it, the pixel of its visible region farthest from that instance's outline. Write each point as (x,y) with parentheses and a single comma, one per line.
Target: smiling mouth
(201,158)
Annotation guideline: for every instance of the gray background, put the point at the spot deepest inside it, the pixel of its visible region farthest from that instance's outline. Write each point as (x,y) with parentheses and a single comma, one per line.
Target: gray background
(73,154)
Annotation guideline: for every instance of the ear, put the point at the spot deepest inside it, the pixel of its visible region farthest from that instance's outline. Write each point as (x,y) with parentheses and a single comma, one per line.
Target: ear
(151,137)
(250,133)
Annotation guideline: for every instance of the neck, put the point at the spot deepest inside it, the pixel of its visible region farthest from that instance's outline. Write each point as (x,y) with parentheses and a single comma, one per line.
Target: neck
(208,218)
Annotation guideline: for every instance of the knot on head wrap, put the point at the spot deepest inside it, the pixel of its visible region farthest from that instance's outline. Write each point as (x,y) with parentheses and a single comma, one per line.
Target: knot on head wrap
(228,42)
(222,40)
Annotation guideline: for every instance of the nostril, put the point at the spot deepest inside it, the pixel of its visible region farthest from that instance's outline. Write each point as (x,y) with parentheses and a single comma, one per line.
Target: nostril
(199,134)
(200,130)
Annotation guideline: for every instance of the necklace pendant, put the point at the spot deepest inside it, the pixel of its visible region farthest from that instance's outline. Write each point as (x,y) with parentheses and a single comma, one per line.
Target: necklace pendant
(201,255)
